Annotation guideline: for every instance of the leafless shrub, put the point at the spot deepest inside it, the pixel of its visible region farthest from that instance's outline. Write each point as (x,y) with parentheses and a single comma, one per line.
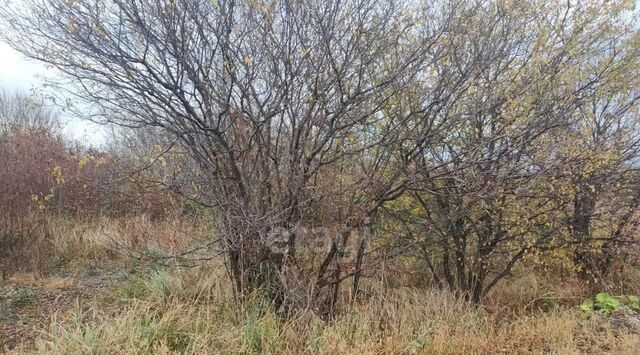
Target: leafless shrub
(453,116)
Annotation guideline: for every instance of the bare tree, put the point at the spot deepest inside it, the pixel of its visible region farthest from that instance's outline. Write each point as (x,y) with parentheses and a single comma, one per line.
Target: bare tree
(291,115)
(19,110)
(604,160)
(485,189)
(263,96)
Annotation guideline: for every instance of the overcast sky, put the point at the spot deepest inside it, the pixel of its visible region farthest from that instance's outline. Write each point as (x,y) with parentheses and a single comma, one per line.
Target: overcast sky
(19,73)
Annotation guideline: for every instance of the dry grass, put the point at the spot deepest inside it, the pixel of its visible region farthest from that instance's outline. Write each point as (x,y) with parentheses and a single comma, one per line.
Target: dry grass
(528,290)
(96,239)
(191,310)
(65,242)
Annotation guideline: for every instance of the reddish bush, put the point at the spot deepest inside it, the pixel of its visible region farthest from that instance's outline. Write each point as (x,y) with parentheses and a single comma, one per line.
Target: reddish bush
(29,162)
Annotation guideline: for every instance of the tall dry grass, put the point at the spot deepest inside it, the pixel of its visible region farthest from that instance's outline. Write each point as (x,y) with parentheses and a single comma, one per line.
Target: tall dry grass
(136,236)
(40,244)
(191,311)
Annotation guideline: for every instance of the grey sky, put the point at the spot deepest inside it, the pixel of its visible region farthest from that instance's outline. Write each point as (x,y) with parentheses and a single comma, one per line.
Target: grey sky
(16,72)
(19,73)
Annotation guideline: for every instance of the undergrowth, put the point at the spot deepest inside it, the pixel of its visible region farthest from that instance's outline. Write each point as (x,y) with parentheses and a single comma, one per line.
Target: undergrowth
(192,311)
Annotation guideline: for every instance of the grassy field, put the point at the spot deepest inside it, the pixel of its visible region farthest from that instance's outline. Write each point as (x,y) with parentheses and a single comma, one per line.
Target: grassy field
(100,300)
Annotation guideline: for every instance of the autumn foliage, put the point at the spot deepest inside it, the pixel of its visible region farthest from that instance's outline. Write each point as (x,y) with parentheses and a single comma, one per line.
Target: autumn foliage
(460,138)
